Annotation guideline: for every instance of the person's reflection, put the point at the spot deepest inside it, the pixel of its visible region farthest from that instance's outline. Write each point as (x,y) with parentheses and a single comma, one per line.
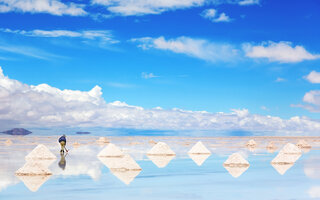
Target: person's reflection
(62,162)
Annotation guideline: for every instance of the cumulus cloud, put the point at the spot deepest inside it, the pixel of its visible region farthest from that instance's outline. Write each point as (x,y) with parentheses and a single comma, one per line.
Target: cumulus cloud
(283,52)
(313,77)
(46,106)
(102,35)
(213,15)
(311,100)
(54,7)
(198,48)
(143,7)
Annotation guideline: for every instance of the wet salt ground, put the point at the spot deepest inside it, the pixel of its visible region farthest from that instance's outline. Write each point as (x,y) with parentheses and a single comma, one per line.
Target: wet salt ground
(85,177)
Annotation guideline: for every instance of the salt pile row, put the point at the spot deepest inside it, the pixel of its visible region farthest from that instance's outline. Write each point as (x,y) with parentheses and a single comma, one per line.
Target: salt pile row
(36,171)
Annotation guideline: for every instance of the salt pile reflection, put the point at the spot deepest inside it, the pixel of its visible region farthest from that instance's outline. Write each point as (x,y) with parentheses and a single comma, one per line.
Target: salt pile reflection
(161,154)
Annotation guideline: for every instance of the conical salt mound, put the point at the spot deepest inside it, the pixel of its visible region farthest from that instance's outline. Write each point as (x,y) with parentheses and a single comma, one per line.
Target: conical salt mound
(111,151)
(32,168)
(290,149)
(33,183)
(102,141)
(8,142)
(271,147)
(303,144)
(199,158)
(236,171)
(251,143)
(199,148)
(40,152)
(161,148)
(236,160)
(161,161)
(126,176)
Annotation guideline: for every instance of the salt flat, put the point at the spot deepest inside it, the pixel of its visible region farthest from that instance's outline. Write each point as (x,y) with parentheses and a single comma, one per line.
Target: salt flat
(81,174)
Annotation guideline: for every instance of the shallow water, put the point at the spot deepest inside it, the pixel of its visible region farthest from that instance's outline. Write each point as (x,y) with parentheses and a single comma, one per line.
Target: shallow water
(86,177)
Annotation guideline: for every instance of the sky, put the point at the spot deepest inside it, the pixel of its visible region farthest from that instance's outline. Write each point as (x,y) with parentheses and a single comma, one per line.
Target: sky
(162,64)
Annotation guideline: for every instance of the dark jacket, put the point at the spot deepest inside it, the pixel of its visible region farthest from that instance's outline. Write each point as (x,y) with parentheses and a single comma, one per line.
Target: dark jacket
(62,138)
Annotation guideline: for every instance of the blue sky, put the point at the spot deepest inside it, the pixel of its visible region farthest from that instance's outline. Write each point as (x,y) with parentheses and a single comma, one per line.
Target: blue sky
(194,55)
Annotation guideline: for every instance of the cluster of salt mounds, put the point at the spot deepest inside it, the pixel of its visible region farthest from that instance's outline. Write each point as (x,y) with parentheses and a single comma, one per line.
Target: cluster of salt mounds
(161,154)
(121,165)
(286,158)
(236,165)
(35,171)
(199,153)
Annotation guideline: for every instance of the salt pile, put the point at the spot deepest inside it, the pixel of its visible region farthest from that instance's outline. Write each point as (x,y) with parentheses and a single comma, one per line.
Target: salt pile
(111,151)
(303,144)
(199,148)
(271,147)
(161,148)
(236,160)
(76,144)
(8,142)
(33,168)
(251,143)
(124,168)
(199,158)
(102,141)
(37,162)
(33,183)
(161,161)
(236,165)
(40,152)
(286,158)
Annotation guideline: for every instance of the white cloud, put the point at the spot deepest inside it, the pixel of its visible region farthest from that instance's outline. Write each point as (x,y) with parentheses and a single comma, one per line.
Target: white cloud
(212,15)
(313,77)
(198,48)
(146,75)
(248,2)
(46,106)
(312,100)
(282,52)
(54,7)
(314,192)
(143,7)
(102,35)
(264,108)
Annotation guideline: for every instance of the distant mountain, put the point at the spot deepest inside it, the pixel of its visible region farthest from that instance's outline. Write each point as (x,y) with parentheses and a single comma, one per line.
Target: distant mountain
(82,133)
(17,131)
